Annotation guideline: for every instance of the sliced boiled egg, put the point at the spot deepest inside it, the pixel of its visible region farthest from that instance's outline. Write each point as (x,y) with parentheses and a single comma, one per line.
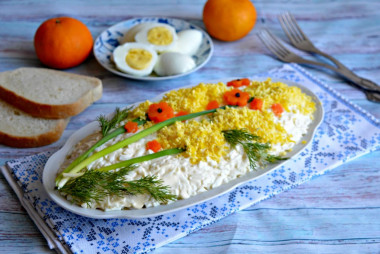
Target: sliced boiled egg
(161,37)
(188,42)
(135,58)
(129,36)
(173,63)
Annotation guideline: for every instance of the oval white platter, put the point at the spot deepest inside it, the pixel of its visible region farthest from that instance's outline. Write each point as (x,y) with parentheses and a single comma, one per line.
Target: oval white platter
(54,162)
(109,39)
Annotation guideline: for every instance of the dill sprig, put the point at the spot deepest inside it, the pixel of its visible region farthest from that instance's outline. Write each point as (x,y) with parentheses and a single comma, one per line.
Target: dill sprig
(234,137)
(108,124)
(95,185)
(256,152)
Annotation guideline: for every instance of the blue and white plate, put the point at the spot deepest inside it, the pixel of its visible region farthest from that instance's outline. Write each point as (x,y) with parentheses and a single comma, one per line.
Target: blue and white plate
(109,39)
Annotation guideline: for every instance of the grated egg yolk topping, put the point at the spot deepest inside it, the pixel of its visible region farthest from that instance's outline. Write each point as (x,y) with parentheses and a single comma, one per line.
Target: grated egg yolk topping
(277,92)
(140,111)
(203,138)
(196,98)
(138,59)
(160,36)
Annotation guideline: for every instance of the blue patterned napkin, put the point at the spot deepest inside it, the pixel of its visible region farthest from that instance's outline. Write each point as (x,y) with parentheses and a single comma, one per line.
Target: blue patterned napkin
(347,132)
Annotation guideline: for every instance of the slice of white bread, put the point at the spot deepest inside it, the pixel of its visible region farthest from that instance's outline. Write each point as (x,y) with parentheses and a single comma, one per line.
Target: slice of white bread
(49,93)
(18,129)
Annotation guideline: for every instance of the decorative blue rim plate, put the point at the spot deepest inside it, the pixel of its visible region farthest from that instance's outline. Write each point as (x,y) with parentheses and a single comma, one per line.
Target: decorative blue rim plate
(54,162)
(109,39)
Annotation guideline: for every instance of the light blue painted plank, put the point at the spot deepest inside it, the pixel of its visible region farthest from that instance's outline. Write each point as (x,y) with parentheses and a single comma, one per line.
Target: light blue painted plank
(347,29)
(294,248)
(19,234)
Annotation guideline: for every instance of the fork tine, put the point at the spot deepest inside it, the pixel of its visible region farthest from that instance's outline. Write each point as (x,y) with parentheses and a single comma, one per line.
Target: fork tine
(296,26)
(264,38)
(293,34)
(285,27)
(273,44)
(277,43)
(270,45)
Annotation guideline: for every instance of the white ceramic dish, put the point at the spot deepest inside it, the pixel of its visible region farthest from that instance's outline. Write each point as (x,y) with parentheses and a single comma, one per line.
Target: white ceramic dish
(109,39)
(54,162)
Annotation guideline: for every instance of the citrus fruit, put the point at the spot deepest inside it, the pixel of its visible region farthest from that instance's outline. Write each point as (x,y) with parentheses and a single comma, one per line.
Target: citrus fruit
(62,42)
(229,20)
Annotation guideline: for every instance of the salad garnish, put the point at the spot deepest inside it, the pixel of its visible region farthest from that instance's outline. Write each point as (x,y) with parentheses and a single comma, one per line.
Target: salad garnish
(95,185)
(256,152)
(84,160)
(108,124)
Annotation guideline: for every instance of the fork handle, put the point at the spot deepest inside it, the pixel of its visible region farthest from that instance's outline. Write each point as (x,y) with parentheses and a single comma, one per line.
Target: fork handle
(365,84)
(347,73)
(375,97)
(362,82)
(331,58)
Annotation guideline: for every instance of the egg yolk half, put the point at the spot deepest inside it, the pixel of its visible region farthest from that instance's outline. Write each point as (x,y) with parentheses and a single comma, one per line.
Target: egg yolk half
(160,36)
(138,59)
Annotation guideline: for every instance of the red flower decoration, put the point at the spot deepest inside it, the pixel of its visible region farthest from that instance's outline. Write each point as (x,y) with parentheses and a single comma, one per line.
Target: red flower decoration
(236,97)
(239,82)
(159,112)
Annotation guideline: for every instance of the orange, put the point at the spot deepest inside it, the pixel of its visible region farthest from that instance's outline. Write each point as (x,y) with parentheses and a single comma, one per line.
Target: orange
(229,20)
(62,42)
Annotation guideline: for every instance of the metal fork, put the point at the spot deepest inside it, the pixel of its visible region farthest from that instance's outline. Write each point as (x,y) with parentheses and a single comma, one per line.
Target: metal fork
(278,49)
(300,41)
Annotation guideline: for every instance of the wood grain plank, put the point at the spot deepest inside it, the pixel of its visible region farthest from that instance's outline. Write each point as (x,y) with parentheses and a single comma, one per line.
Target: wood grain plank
(295,248)
(20,235)
(334,213)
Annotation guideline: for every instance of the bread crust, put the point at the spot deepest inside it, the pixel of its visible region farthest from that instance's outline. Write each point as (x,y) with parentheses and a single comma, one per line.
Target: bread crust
(52,111)
(34,141)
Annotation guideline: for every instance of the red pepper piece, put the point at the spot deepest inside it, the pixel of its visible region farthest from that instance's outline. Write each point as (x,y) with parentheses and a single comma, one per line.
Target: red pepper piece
(131,127)
(182,113)
(277,109)
(212,105)
(256,104)
(153,145)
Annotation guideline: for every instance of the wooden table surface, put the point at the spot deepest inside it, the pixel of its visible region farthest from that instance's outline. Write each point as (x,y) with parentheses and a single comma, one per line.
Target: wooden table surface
(334,213)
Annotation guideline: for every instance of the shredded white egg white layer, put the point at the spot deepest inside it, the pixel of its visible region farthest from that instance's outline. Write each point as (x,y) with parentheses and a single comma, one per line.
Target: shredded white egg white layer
(184,178)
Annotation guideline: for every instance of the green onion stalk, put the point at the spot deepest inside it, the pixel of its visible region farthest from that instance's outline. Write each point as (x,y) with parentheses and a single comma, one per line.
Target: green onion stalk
(140,159)
(104,139)
(83,161)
